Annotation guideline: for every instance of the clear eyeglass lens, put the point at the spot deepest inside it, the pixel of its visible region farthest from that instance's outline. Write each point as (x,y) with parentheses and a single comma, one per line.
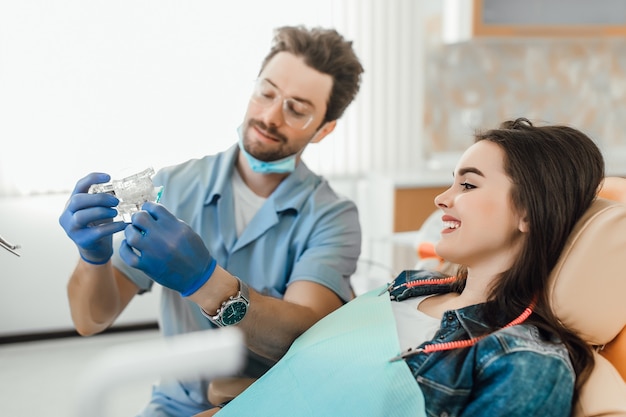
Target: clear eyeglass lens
(296,113)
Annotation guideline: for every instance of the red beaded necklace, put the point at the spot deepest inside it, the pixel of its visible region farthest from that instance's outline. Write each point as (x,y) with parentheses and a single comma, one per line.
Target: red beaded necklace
(456,344)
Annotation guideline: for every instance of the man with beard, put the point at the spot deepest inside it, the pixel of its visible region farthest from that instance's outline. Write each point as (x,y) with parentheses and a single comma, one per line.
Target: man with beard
(248,237)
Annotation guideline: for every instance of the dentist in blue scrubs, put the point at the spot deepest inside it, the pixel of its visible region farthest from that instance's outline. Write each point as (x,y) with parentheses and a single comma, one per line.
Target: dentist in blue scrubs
(249,237)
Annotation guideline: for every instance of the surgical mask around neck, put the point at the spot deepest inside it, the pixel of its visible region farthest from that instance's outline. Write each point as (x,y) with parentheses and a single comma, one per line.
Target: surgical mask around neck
(281,166)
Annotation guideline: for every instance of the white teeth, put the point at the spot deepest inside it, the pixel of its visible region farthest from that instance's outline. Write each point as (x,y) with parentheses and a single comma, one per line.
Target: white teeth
(451,225)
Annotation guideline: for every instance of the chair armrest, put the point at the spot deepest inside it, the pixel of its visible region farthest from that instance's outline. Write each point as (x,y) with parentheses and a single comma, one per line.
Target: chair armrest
(222,390)
(615,352)
(604,393)
(207,413)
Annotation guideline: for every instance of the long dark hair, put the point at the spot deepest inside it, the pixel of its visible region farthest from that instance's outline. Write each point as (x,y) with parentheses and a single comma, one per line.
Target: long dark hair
(556,171)
(326,51)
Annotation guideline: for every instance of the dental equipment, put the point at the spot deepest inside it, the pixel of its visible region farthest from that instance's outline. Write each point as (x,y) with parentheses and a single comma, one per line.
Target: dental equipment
(132,192)
(10,247)
(208,353)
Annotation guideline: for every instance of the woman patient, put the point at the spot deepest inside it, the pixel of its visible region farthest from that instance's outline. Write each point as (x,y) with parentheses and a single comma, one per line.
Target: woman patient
(486,342)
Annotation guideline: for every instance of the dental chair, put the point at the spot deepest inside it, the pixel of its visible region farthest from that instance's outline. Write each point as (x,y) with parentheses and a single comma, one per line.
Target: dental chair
(588,294)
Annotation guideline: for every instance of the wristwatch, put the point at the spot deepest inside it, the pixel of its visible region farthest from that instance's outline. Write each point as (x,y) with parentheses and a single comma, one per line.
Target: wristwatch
(233,310)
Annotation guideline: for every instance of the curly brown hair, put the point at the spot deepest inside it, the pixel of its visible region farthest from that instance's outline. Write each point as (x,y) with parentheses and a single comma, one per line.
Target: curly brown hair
(328,52)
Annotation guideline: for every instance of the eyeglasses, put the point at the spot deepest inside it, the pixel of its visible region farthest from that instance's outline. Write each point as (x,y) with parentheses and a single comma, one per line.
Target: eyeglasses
(296,113)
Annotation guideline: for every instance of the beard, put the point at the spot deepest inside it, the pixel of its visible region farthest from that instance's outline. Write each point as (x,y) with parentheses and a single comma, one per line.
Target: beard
(259,151)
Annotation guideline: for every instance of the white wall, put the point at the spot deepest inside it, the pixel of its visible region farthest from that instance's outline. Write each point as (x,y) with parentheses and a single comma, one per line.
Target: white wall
(117,85)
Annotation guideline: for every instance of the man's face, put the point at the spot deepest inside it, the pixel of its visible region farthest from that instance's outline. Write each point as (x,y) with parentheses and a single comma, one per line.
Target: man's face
(286,109)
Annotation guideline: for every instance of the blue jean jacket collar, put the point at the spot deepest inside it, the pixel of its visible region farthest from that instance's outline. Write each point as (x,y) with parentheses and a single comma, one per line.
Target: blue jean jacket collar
(471,318)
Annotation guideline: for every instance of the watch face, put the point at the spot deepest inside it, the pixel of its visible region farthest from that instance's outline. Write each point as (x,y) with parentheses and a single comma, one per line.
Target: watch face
(233,313)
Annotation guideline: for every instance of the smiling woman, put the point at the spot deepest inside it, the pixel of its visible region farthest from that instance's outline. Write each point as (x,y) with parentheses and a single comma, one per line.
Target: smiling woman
(470,343)
(117,85)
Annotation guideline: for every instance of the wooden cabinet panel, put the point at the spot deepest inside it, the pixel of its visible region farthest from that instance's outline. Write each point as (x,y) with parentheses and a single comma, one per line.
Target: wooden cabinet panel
(412,206)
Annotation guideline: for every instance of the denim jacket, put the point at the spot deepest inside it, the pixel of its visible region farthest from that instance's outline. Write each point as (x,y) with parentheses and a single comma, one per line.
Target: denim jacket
(515,371)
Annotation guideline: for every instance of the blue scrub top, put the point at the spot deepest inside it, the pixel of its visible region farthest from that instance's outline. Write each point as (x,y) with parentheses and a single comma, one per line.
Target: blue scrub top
(303,231)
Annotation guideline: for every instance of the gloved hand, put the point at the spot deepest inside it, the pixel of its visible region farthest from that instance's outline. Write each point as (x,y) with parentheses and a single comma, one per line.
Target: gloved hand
(167,250)
(88,220)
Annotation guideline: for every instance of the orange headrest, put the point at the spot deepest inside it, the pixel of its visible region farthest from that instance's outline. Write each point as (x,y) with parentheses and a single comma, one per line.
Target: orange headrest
(613,188)
(588,284)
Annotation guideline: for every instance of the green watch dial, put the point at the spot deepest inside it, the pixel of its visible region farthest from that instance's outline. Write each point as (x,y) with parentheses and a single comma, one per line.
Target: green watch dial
(234,313)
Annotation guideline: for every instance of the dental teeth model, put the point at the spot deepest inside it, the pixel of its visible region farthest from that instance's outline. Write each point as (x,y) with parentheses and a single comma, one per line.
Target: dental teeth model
(132,192)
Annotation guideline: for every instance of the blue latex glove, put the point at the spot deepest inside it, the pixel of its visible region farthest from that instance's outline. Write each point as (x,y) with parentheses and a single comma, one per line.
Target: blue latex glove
(167,250)
(88,220)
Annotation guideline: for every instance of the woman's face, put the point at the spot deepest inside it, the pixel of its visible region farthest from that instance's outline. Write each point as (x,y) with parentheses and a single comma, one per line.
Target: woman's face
(482,229)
